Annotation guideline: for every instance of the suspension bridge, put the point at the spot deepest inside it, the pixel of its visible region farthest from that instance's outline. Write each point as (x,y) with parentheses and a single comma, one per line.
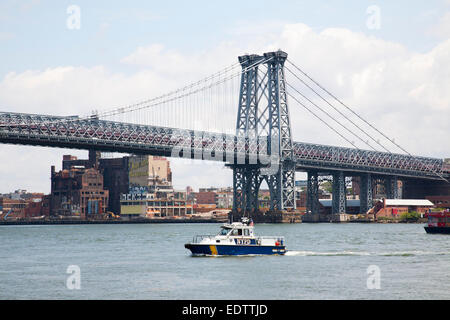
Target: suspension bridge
(199,121)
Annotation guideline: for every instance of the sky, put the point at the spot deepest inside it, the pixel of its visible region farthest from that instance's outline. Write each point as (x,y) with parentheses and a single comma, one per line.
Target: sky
(389,60)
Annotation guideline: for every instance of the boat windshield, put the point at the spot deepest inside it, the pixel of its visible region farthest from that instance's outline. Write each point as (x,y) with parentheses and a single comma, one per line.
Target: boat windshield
(224,232)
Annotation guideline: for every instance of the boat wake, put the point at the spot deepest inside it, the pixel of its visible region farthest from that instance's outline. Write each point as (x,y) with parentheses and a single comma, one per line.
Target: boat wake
(362,253)
(314,253)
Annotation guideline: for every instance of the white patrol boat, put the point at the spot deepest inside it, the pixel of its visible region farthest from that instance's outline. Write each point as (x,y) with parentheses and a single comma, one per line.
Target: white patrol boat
(236,238)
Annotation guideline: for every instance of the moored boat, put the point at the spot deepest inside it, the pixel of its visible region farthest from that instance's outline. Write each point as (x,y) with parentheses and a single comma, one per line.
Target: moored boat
(236,238)
(438,222)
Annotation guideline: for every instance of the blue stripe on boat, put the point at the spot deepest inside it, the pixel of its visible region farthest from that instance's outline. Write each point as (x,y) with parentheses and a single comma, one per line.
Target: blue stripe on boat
(233,250)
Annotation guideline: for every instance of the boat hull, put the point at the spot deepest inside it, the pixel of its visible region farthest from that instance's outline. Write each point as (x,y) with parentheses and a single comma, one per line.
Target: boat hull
(445,230)
(234,250)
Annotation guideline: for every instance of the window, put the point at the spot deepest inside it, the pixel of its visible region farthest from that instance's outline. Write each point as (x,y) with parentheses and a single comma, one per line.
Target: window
(246,232)
(237,232)
(223,232)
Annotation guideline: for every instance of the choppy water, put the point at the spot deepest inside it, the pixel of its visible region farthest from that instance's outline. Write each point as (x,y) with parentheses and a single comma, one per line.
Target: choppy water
(324,261)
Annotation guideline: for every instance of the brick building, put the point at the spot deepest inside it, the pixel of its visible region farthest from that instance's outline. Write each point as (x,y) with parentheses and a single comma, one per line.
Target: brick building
(206,197)
(38,207)
(22,204)
(13,208)
(396,207)
(78,192)
(115,173)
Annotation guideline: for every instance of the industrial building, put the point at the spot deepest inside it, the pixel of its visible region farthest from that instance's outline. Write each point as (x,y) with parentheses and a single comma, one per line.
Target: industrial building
(396,207)
(12,207)
(78,192)
(114,172)
(150,193)
(146,206)
(22,204)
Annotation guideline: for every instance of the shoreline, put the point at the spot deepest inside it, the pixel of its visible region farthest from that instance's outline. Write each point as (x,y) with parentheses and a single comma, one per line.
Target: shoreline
(79,222)
(156,221)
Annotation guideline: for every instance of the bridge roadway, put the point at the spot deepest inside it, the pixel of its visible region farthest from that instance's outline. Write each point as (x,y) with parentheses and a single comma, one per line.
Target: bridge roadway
(109,136)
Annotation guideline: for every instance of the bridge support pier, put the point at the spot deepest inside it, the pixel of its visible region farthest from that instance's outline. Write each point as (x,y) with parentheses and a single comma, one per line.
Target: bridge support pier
(391,187)
(339,200)
(246,183)
(312,196)
(282,187)
(366,193)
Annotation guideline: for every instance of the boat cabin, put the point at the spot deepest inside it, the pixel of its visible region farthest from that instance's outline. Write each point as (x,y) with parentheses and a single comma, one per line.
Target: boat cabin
(236,229)
(439,219)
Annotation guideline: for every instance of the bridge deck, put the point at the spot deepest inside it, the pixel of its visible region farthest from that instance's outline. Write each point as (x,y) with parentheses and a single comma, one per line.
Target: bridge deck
(74,132)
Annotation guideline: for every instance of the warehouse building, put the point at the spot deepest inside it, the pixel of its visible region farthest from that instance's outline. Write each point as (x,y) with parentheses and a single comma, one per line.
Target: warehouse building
(396,207)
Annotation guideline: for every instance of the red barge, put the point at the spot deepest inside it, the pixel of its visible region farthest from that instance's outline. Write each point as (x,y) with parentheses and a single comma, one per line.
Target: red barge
(438,222)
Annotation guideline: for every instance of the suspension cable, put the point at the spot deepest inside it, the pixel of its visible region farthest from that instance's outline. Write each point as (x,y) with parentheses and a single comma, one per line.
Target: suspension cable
(186,87)
(342,114)
(330,116)
(121,110)
(347,107)
(361,118)
(326,123)
(138,106)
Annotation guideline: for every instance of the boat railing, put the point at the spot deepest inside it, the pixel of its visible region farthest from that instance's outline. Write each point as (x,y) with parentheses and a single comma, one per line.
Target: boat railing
(271,237)
(278,239)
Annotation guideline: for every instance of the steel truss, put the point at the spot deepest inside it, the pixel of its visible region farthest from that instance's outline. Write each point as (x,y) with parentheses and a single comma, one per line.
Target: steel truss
(391,187)
(312,196)
(366,192)
(339,201)
(246,183)
(330,157)
(73,132)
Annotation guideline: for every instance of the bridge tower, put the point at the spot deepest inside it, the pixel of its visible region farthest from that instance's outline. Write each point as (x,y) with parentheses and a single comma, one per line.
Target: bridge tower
(263,112)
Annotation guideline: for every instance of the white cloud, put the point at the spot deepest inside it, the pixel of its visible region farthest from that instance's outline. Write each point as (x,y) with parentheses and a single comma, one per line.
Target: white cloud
(186,67)
(403,93)
(75,90)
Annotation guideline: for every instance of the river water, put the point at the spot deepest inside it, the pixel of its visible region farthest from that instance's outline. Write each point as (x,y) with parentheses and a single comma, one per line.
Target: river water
(149,261)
